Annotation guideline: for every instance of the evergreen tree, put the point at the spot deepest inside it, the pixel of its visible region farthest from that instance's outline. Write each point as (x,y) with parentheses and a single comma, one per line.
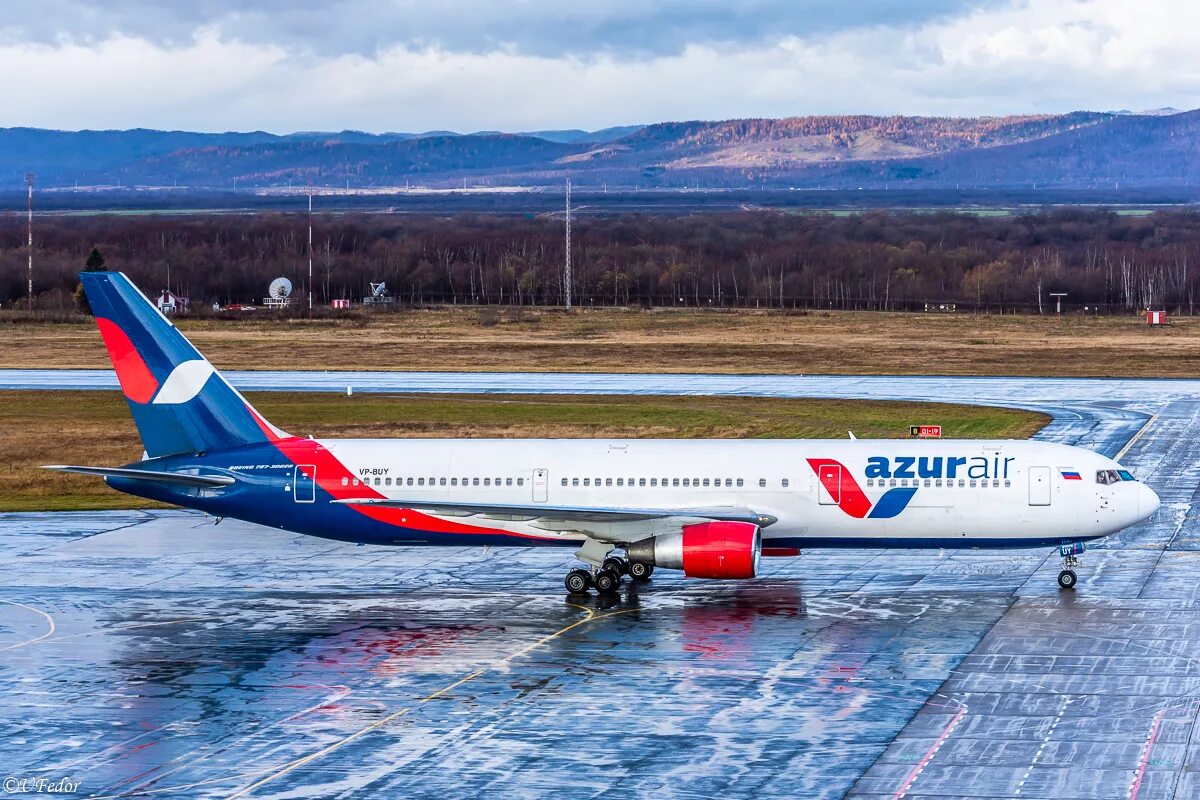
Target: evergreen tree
(94,263)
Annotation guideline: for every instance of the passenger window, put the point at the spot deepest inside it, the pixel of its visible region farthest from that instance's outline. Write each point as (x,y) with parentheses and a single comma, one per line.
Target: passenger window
(387,481)
(508,481)
(675,482)
(961,483)
(729,481)
(972,483)
(474,481)
(564,481)
(762,482)
(587,481)
(892,482)
(937,483)
(378,481)
(345,481)
(354,482)
(785,483)
(928,482)
(740,481)
(442,481)
(420,481)
(487,481)
(574,481)
(608,481)
(706,481)
(454,481)
(654,481)
(1007,484)
(686,482)
(410,481)
(521,482)
(641,482)
(620,481)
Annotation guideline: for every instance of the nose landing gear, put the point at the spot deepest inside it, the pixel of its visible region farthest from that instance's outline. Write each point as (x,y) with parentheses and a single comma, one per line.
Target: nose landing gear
(1070,555)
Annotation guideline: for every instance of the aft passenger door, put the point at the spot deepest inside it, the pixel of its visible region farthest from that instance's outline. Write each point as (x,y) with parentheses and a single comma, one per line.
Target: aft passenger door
(541,480)
(304,483)
(1039,486)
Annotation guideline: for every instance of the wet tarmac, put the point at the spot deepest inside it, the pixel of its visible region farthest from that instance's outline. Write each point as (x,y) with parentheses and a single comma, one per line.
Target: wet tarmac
(155,654)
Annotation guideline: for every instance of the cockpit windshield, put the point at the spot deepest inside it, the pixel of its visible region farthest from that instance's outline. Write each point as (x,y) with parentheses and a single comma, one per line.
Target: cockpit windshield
(1109,476)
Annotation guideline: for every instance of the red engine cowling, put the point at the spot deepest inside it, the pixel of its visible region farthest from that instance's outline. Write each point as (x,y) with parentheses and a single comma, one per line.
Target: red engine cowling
(704,550)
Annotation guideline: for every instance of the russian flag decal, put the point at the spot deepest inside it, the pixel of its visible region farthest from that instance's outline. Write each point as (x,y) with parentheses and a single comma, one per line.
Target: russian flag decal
(1070,474)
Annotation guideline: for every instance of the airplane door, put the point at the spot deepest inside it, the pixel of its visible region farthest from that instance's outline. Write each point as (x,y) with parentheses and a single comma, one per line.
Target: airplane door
(829,484)
(1039,486)
(304,483)
(541,479)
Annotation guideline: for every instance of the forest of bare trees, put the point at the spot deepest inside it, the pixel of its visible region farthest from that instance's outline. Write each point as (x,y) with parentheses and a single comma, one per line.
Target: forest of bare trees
(871,260)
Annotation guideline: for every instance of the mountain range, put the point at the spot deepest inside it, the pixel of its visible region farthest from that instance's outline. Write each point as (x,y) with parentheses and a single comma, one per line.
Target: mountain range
(1075,150)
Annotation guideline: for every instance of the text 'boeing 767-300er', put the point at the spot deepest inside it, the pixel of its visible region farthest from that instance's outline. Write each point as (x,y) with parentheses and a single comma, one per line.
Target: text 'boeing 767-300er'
(709,508)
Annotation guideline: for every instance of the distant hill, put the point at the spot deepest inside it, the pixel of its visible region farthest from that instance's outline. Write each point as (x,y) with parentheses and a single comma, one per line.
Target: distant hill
(1080,149)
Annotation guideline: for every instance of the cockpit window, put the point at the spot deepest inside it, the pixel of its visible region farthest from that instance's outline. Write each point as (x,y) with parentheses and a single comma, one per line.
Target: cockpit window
(1126,475)
(1107,476)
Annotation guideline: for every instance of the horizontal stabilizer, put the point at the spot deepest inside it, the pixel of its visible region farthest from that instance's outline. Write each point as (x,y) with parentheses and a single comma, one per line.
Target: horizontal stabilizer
(572,513)
(203,481)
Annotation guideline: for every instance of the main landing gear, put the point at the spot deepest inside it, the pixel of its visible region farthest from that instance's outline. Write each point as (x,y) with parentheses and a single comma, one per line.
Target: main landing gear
(606,579)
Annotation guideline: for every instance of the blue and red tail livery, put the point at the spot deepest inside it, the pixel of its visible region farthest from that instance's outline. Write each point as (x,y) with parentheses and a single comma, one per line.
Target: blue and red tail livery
(180,404)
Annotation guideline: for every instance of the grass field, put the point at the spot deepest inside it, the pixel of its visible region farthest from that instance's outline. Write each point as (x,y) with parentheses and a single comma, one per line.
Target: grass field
(94,428)
(662,341)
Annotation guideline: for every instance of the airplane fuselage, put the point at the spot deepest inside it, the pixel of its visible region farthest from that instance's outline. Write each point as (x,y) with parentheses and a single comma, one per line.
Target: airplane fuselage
(823,493)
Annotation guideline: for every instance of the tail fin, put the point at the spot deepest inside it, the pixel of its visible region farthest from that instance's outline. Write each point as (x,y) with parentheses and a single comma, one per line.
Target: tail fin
(179,402)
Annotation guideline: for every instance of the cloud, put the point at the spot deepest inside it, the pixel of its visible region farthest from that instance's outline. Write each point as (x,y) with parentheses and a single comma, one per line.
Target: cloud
(1042,55)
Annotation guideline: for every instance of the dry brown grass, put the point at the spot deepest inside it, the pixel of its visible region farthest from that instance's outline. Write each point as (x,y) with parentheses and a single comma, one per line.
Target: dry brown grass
(666,341)
(94,428)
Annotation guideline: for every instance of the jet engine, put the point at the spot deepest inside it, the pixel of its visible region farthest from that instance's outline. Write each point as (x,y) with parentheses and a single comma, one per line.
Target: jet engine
(704,550)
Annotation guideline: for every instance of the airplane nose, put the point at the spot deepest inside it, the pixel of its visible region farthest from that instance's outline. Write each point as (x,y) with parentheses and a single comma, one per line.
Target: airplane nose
(1148,501)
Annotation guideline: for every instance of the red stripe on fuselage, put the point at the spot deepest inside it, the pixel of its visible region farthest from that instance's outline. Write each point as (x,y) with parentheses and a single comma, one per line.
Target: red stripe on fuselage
(309,454)
(137,381)
(841,485)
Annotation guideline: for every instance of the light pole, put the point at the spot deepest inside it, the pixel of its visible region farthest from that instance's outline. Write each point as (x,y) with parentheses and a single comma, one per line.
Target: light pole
(310,282)
(567,262)
(29,184)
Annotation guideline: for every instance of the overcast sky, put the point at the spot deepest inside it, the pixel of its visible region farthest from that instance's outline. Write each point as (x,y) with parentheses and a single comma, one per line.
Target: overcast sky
(399,65)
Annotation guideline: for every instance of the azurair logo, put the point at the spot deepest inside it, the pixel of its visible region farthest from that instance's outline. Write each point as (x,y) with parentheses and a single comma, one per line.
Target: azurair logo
(845,492)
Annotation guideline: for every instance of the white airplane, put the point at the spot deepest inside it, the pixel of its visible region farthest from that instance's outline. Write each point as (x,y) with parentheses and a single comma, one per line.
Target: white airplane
(709,508)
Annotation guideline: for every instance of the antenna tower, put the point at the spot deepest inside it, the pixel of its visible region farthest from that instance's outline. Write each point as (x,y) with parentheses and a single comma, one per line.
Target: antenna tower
(567,263)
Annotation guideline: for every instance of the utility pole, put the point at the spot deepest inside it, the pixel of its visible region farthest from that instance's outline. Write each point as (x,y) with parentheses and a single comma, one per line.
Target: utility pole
(567,263)
(29,184)
(310,282)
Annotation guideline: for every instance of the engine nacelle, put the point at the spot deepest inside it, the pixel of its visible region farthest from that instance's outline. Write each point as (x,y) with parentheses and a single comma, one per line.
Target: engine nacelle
(704,550)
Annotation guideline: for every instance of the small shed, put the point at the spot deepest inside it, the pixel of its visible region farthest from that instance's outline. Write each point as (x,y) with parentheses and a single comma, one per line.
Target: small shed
(170,303)
(1156,317)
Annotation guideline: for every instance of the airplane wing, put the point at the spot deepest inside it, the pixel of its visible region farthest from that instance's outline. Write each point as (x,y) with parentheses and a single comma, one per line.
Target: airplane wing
(550,513)
(202,481)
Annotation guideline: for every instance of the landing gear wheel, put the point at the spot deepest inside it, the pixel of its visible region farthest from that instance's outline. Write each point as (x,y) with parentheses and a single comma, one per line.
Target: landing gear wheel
(640,571)
(606,581)
(616,564)
(578,581)
(1067,579)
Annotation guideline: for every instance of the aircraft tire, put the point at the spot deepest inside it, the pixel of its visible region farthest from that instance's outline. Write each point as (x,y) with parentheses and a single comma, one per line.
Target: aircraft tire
(578,581)
(640,571)
(607,581)
(1067,579)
